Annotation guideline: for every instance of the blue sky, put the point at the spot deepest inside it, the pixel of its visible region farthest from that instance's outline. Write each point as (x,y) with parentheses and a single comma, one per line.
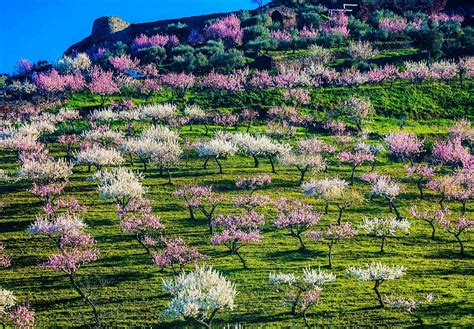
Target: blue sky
(43,29)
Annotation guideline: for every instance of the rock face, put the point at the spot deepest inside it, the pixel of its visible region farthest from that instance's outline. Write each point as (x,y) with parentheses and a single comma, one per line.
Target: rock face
(106,26)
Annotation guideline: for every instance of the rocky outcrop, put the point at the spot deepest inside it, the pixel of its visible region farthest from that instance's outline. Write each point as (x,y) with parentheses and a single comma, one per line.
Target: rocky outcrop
(107,26)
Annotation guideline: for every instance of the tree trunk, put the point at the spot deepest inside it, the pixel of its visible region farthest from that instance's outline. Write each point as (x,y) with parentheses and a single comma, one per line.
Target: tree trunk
(220,166)
(340,216)
(244,263)
(191,213)
(394,207)
(272,164)
(204,166)
(460,243)
(352,175)
(330,254)
(88,301)
(383,244)
(420,188)
(379,297)
(255,161)
(302,245)
(433,230)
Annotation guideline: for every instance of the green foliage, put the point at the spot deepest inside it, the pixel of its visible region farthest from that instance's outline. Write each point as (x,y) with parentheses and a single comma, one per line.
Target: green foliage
(431,41)
(155,54)
(229,60)
(359,29)
(119,48)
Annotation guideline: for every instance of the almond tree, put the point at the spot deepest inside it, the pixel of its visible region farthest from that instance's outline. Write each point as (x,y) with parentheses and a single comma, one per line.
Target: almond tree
(386,188)
(355,159)
(236,231)
(384,227)
(297,217)
(457,227)
(325,189)
(176,252)
(199,295)
(301,293)
(304,162)
(136,217)
(430,216)
(102,83)
(75,248)
(333,235)
(404,145)
(216,149)
(420,174)
(378,273)
(408,305)
(204,199)
(120,185)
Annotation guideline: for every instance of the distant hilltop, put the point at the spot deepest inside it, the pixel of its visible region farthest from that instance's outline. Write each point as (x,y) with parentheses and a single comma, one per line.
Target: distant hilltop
(111,29)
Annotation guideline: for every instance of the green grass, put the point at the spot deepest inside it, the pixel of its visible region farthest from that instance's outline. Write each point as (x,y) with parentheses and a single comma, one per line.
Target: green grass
(127,287)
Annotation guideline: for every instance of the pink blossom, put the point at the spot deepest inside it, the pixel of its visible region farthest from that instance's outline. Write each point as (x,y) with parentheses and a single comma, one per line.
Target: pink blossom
(336,232)
(236,231)
(337,24)
(74,82)
(137,217)
(124,63)
(253,183)
(281,35)
(181,81)
(297,217)
(450,152)
(227,28)
(46,191)
(176,252)
(69,261)
(226,120)
(22,316)
(337,128)
(5,259)
(249,115)
(443,17)
(23,67)
(404,145)
(393,24)
(308,32)
(102,82)
(261,80)
(50,82)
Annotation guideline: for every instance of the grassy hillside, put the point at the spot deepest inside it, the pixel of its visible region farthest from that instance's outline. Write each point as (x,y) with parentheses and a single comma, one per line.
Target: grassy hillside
(127,287)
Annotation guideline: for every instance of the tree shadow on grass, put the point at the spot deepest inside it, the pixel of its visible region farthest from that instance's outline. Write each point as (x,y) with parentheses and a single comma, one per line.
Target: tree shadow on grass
(294,255)
(450,253)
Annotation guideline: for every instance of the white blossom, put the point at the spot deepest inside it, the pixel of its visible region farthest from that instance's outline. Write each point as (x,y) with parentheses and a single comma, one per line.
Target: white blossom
(158,111)
(326,188)
(384,226)
(98,156)
(46,170)
(199,294)
(216,148)
(7,300)
(119,184)
(376,271)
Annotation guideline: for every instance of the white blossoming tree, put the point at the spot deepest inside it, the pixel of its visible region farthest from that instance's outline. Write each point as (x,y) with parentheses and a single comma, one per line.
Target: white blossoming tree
(378,273)
(384,227)
(120,185)
(301,293)
(216,149)
(199,295)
